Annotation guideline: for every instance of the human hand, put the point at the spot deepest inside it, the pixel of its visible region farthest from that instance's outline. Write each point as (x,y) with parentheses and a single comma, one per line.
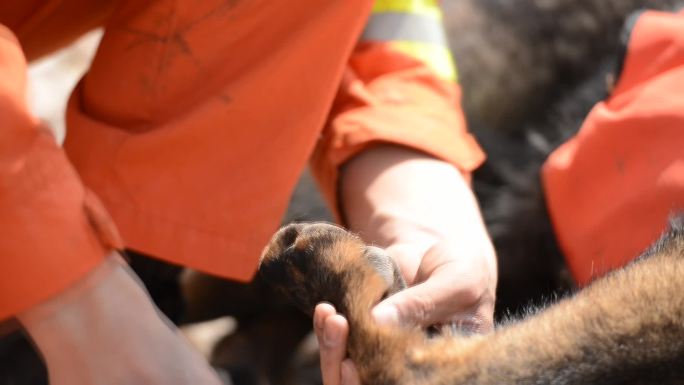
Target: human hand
(331,331)
(452,285)
(424,213)
(104,330)
(454,291)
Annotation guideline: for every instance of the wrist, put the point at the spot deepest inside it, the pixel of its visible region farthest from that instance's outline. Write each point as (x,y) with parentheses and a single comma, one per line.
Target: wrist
(408,202)
(105,329)
(99,306)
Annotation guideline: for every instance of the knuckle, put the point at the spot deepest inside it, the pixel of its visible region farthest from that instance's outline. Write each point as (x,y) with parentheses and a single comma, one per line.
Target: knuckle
(469,296)
(417,309)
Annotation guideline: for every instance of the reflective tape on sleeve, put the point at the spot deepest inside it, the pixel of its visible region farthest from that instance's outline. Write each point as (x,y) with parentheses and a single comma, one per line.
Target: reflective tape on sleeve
(393,26)
(414,28)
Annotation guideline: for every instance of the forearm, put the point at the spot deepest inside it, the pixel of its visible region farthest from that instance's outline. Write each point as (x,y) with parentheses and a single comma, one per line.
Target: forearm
(105,329)
(409,201)
(423,212)
(103,299)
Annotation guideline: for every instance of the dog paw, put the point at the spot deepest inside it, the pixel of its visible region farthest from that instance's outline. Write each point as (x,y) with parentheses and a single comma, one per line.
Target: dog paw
(320,262)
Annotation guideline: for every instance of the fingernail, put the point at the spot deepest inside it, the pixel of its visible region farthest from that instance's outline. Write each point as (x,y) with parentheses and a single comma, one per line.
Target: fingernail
(317,322)
(331,336)
(386,315)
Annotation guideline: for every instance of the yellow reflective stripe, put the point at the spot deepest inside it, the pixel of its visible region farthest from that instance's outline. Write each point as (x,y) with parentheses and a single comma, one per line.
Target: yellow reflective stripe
(437,57)
(423,7)
(413,34)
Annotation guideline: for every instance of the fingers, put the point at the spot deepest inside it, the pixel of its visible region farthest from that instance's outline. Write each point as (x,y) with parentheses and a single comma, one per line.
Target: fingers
(436,302)
(350,376)
(416,306)
(454,290)
(331,330)
(321,312)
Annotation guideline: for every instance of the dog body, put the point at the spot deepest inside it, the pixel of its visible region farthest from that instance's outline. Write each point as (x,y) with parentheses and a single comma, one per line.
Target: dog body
(626,328)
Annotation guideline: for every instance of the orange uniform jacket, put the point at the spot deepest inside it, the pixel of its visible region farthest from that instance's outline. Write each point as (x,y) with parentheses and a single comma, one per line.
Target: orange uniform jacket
(195,120)
(611,188)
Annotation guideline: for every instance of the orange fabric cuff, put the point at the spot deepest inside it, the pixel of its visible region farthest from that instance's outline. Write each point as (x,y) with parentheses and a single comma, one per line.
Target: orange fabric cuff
(388,97)
(53,233)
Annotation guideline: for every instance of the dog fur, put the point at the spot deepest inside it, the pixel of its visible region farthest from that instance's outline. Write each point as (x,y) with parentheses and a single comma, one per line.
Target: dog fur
(625,328)
(515,58)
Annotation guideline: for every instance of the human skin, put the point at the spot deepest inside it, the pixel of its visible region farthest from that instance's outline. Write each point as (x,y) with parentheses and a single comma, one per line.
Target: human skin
(423,212)
(431,226)
(105,330)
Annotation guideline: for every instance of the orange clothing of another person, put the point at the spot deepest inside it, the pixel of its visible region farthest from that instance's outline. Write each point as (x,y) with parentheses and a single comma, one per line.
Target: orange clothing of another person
(611,188)
(195,120)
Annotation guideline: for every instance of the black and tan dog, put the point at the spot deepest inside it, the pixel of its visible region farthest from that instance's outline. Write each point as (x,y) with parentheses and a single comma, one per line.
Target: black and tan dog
(625,328)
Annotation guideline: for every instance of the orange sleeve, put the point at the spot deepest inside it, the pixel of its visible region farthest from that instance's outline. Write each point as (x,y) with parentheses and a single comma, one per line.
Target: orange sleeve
(53,231)
(388,96)
(610,188)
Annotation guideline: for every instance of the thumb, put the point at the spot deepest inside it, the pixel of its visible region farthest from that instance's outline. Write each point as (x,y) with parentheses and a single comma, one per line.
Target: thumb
(415,306)
(434,301)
